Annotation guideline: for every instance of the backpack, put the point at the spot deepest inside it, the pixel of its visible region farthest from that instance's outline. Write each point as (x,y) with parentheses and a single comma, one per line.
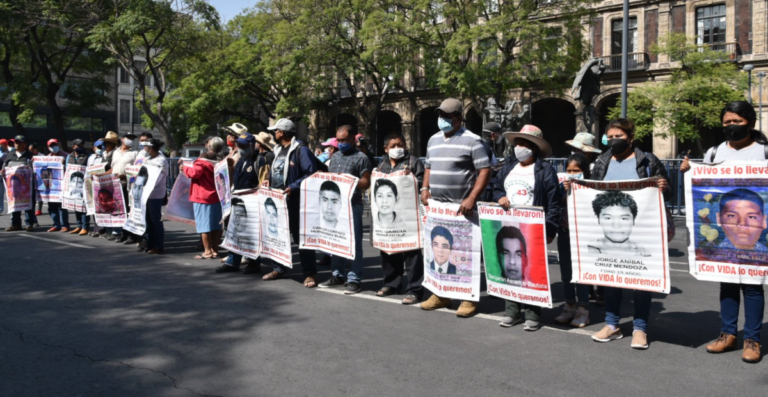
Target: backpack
(318,164)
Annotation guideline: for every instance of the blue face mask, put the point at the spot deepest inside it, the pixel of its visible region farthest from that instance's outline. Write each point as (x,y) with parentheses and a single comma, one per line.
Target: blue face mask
(344,146)
(605,140)
(444,124)
(99,152)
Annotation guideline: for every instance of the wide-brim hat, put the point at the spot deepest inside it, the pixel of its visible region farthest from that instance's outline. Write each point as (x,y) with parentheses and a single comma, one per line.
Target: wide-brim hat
(236,129)
(585,142)
(265,139)
(112,137)
(532,134)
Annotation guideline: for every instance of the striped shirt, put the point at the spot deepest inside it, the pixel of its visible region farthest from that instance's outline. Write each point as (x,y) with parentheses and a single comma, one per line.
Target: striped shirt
(453,164)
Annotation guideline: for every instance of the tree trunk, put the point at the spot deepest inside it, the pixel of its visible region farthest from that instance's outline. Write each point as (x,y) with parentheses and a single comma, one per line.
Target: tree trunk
(57,113)
(13,114)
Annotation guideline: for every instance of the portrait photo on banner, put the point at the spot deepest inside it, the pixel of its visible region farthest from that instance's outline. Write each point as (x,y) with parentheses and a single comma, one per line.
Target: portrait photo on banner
(326,213)
(727,222)
(109,201)
(48,177)
(618,234)
(395,212)
(276,237)
(90,174)
(221,181)
(73,198)
(18,188)
(243,234)
(179,208)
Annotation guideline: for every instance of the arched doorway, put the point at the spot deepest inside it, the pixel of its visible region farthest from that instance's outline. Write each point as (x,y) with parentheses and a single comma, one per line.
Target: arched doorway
(387,122)
(427,127)
(339,120)
(557,120)
(603,108)
(473,121)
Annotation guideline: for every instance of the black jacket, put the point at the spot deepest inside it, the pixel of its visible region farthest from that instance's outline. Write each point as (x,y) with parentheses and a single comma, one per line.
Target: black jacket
(25,157)
(247,172)
(546,190)
(648,165)
(414,164)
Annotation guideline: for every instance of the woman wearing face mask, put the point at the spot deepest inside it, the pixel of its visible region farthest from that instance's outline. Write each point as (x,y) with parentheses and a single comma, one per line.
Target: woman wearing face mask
(575,313)
(59,215)
(396,159)
(742,142)
(620,163)
(524,181)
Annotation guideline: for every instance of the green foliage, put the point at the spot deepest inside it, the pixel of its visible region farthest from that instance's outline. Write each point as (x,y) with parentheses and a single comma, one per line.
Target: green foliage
(698,89)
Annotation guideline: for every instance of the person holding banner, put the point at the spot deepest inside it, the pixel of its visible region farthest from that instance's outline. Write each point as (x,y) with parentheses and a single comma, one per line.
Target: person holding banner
(123,156)
(526,180)
(3,155)
(624,162)
(79,157)
(457,171)
(293,163)
(206,202)
(397,158)
(59,215)
(353,162)
(737,207)
(18,157)
(153,209)
(98,157)
(110,144)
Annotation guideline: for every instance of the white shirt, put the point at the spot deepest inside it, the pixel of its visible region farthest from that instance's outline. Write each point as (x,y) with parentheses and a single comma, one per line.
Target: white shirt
(442,269)
(519,185)
(122,158)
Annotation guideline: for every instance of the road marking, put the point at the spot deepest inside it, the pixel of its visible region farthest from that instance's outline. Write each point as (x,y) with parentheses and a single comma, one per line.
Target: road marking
(55,241)
(484,316)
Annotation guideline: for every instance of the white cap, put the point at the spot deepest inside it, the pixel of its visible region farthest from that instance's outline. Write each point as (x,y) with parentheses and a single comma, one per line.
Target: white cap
(283,125)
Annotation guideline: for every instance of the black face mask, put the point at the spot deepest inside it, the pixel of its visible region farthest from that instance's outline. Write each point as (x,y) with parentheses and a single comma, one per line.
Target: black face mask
(618,146)
(736,132)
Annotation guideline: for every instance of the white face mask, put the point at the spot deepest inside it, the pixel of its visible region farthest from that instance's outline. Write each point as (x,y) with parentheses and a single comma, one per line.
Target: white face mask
(396,153)
(128,142)
(327,150)
(523,153)
(580,175)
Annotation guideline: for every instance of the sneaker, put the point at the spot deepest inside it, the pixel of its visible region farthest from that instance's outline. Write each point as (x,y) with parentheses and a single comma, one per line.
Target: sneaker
(751,352)
(581,319)
(111,237)
(38,213)
(435,302)
(352,288)
(639,340)
(332,282)
(467,309)
(94,234)
(531,325)
(510,321)
(568,313)
(607,334)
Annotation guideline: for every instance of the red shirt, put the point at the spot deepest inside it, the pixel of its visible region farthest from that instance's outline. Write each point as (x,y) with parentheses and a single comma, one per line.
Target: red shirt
(202,190)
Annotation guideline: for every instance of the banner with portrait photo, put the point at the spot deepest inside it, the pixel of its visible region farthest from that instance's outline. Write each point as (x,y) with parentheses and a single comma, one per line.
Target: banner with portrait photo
(515,254)
(19,188)
(139,191)
(179,208)
(276,235)
(49,174)
(221,181)
(452,244)
(326,222)
(618,233)
(395,212)
(109,201)
(90,172)
(73,198)
(727,221)
(243,234)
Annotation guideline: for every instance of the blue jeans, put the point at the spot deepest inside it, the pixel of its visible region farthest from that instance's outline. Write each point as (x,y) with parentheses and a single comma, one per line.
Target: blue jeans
(83,222)
(29,216)
(754,303)
(155,231)
(59,215)
(339,264)
(642,300)
(572,291)
(306,257)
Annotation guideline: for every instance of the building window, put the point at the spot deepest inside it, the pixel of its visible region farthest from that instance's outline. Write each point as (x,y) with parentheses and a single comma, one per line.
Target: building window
(616,35)
(710,26)
(125,111)
(124,78)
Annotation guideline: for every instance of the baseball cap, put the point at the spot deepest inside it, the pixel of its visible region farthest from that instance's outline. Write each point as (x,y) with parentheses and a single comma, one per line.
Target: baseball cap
(331,142)
(128,133)
(451,105)
(245,138)
(78,142)
(98,143)
(52,142)
(283,125)
(20,138)
(492,127)
(3,142)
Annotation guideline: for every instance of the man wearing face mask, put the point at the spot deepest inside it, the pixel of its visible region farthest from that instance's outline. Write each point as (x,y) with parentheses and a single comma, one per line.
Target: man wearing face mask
(21,155)
(79,157)
(59,215)
(144,146)
(123,156)
(461,172)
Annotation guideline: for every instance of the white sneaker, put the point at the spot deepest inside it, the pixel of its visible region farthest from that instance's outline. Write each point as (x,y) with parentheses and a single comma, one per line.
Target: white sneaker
(566,315)
(581,319)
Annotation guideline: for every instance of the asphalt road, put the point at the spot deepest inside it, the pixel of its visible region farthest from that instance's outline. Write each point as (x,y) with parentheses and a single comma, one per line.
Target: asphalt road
(81,316)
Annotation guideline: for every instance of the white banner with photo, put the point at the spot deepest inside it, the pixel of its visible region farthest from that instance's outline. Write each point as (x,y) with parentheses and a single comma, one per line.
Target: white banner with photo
(395,212)
(109,201)
(179,208)
(19,188)
(49,175)
(243,235)
(326,222)
(618,233)
(74,188)
(276,235)
(221,181)
(452,244)
(91,172)
(144,182)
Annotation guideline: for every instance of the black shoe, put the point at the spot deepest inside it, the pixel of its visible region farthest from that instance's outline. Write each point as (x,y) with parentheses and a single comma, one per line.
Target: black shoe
(332,282)
(226,269)
(252,268)
(111,237)
(94,234)
(121,239)
(352,288)
(130,241)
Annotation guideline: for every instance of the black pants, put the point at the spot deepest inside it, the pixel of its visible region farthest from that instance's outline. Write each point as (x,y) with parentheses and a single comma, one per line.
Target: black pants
(306,257)
(394,266)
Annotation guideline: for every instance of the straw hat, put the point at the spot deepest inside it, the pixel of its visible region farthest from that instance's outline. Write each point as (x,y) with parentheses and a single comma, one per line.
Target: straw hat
(585,142)
(112,137)
(265,139)
(532,134)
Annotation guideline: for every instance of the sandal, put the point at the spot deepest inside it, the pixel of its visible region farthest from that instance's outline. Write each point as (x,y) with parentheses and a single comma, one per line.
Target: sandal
(410,299)
(386,291)
(310,282)
(203,256)
(273,275)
